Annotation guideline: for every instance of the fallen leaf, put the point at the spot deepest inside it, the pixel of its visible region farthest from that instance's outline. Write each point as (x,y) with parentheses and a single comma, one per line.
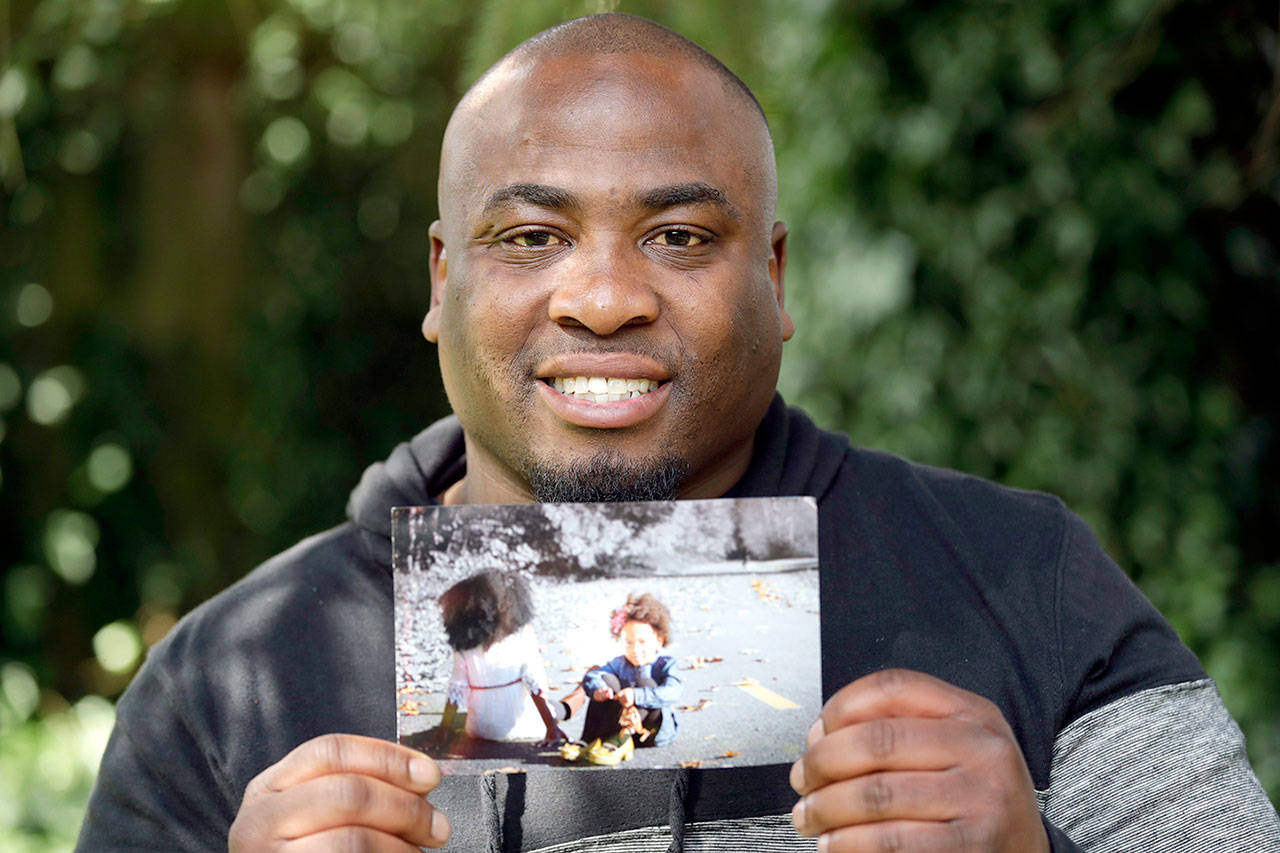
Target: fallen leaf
(765,591)
(730,754)
(690,763)
(702,703)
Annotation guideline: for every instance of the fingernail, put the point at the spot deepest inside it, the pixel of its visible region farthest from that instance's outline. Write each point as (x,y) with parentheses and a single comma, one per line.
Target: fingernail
(824,841)
(439,826)
(816,732)
(797,776)
(797,815)
(421,771)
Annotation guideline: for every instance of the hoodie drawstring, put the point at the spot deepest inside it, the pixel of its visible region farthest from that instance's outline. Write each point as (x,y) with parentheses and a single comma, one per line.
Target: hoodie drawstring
(489,787)
(675,809)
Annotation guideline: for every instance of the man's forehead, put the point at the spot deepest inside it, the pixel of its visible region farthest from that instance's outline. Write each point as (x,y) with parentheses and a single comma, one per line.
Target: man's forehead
(565,121)
(595,100)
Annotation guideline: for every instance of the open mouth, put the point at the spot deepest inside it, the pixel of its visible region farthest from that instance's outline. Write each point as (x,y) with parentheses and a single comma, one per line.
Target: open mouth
(602,389)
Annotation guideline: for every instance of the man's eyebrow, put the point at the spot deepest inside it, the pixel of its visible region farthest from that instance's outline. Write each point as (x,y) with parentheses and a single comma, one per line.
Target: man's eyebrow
(694,192)
(540,195)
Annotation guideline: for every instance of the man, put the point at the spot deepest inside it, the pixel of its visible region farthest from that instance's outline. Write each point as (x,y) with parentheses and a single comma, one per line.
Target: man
(607,198)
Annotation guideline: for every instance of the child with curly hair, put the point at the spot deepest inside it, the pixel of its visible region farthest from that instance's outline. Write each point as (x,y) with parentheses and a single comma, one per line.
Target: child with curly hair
(632,697)
(498,675)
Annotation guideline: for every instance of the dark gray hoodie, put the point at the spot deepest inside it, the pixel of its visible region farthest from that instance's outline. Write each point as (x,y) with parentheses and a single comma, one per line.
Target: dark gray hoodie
(998,591)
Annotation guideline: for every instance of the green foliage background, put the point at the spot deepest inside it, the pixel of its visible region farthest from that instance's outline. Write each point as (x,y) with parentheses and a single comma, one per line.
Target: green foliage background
(1032,240)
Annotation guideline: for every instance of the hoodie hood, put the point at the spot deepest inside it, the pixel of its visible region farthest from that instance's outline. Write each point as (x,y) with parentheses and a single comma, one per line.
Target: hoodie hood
(792,456)
(416,471)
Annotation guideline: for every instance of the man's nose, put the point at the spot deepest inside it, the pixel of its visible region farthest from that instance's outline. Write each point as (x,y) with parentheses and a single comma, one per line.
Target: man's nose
(606,289)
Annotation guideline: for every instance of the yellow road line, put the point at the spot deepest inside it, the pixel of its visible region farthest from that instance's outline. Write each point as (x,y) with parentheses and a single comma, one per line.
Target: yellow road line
(765,695)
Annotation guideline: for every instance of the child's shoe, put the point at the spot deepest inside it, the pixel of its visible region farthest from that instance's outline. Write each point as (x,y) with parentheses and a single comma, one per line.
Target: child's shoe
(611,752)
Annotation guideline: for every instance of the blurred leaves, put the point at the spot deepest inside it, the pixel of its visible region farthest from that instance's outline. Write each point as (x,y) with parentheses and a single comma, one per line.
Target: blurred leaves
(47,764)
(1033,241)
(1029,249)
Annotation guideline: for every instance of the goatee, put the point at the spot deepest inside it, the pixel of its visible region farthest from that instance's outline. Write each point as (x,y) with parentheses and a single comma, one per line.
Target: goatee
(608,478)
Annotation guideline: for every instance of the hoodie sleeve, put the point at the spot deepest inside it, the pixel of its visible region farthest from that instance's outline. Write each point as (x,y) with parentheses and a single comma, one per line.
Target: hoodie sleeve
(1149,759)
(156,788)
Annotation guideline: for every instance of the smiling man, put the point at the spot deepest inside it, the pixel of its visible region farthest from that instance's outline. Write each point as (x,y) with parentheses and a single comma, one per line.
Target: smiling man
(607,274)
(607,299)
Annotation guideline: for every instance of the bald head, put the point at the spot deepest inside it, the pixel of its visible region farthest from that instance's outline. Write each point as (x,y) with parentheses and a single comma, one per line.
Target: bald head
(621,70)
(615,32)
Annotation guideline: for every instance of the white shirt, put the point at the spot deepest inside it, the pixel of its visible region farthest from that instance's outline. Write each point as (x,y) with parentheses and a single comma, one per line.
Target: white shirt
(494,686)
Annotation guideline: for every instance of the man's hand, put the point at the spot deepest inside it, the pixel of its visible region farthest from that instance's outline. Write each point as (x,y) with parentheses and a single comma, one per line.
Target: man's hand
(342,792)
(626,697)
(602,694)
(899,760)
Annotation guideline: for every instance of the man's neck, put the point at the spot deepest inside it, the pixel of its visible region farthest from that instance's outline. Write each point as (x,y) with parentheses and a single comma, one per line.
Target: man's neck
(452,496)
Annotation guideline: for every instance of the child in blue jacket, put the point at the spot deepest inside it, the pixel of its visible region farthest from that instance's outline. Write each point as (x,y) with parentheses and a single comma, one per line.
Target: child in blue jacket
(632,697)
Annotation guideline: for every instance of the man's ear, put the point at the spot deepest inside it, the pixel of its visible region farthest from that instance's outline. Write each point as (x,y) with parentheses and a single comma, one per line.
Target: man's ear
(777,273)
(438,267)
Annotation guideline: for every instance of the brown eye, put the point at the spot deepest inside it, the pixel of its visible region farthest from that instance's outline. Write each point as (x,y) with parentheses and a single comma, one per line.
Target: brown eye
(678,237)
(534,239)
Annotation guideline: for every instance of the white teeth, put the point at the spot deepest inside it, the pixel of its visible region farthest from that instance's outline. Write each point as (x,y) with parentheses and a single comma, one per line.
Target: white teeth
(602,389)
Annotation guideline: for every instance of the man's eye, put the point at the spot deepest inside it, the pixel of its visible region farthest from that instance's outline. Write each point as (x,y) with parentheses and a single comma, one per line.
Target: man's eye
(678,237)
(534,239)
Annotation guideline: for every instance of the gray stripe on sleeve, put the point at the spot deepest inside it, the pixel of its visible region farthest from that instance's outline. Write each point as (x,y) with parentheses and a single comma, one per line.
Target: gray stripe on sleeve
(770,834)
(1161,770)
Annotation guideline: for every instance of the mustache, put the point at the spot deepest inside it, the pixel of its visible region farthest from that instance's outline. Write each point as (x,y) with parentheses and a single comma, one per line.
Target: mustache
(527,359)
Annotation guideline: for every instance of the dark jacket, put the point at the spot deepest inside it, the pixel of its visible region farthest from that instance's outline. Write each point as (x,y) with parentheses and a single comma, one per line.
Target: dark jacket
(998,591)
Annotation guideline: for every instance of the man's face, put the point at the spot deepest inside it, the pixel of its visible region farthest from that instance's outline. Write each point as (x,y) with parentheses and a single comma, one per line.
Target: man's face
(607,280)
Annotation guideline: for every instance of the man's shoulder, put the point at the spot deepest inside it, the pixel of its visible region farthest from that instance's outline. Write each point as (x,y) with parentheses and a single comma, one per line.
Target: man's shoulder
(254,603)
(809,459)
(906,494)
(947,487)
(298,647)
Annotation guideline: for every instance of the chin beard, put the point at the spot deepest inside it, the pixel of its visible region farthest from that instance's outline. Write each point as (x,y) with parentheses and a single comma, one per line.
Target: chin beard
(608,478)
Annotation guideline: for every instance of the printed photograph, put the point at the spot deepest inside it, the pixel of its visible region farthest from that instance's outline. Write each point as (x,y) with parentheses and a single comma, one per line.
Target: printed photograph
(590,636)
